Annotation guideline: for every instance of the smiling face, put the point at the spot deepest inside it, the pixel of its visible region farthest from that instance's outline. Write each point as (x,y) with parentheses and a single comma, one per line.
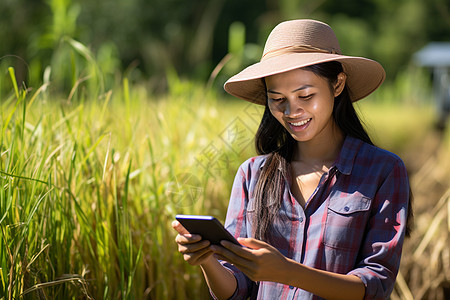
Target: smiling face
(303,103)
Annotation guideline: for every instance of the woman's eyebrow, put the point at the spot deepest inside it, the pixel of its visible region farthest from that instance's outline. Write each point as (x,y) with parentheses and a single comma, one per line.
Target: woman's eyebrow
(303,87)
(272,91)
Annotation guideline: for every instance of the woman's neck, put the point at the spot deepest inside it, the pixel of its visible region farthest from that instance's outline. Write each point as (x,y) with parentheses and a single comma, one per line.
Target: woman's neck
(322,150)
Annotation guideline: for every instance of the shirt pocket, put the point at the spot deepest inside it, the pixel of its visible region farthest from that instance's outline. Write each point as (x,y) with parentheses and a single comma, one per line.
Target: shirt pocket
(346,222)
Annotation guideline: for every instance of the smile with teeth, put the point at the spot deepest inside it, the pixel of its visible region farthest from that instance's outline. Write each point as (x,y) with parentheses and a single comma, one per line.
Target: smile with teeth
(303,122)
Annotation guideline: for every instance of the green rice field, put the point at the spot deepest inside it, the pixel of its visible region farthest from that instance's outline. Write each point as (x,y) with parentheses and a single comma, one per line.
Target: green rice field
(91,182)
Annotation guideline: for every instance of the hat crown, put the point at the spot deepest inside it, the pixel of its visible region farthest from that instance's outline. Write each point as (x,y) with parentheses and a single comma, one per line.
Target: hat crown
(302,33)
(298,44)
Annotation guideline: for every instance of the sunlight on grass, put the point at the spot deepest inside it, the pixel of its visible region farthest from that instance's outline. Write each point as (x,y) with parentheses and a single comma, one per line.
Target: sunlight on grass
(97,184)
(396,126)
(90,186)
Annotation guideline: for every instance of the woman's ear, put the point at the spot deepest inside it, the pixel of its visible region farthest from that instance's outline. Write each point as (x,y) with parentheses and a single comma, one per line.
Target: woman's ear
(340,84)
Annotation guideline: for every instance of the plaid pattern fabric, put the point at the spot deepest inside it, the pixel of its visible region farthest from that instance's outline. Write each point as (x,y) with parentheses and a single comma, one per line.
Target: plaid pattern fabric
(354,222)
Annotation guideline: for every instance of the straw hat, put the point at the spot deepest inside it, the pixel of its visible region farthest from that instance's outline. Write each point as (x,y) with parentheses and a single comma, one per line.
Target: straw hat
(300,43)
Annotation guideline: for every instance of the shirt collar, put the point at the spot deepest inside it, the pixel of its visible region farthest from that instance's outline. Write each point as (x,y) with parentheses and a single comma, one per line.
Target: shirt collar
(347,155)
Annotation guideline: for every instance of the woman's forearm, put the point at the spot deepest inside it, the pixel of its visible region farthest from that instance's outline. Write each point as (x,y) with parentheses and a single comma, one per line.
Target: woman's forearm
(324,284)
(220,281)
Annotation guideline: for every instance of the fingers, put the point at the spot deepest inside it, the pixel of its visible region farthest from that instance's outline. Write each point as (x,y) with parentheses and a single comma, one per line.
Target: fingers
(233,253)
(184,237)
(187,238)
(252,243)
(195,250)
(189,243)
(258,260)
(178,227)
(195,258)
(245,252)
(242,264)
(192,247)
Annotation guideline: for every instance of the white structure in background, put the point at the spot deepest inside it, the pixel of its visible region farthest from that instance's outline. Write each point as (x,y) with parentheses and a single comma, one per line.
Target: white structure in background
(436,55)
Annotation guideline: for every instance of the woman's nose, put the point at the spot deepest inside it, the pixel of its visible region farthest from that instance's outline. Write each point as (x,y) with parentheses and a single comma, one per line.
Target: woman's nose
(293,108)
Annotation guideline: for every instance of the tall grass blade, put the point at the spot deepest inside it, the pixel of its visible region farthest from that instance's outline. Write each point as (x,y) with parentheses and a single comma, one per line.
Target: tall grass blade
(14,81)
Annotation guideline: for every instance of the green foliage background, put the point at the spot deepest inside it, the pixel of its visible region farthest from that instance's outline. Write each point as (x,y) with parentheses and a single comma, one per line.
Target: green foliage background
(192,37)
(113,120)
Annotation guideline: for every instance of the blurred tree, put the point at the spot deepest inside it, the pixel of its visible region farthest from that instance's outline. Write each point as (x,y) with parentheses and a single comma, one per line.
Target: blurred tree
(437,22)
(191,37)
(400,32)
(16,31)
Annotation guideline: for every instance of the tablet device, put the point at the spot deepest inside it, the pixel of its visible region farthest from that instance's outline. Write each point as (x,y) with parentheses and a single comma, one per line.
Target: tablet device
(208,227)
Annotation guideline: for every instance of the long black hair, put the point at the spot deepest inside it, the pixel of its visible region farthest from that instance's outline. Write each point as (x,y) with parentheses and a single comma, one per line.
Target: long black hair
(275,141)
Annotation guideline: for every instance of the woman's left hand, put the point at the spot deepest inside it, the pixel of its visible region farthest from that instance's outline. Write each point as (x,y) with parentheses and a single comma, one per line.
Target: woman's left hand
(257,259)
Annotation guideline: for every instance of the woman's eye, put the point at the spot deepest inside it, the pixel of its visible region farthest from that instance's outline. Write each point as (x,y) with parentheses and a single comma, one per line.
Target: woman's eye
(276,99)
(307,97)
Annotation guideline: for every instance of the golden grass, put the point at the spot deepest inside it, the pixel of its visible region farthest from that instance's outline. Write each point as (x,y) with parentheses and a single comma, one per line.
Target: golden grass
(408,131)
(90,188)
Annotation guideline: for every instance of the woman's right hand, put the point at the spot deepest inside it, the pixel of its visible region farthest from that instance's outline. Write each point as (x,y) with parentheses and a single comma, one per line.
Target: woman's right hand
(195,250)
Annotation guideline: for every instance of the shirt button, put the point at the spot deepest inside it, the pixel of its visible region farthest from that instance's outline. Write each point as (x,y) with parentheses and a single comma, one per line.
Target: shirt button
(301,219)
(346,208)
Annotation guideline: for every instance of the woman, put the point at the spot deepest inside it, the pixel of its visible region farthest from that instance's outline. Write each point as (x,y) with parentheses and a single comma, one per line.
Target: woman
(321,212)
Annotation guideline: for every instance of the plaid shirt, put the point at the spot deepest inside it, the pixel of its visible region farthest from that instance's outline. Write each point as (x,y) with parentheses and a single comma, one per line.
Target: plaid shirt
(354,222)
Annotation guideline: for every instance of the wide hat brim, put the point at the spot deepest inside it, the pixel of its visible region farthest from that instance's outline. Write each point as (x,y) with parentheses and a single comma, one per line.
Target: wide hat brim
(363,75)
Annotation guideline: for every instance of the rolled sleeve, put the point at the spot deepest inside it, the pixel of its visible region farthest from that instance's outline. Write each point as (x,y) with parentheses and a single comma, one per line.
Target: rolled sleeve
(379,259)
(245,286)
